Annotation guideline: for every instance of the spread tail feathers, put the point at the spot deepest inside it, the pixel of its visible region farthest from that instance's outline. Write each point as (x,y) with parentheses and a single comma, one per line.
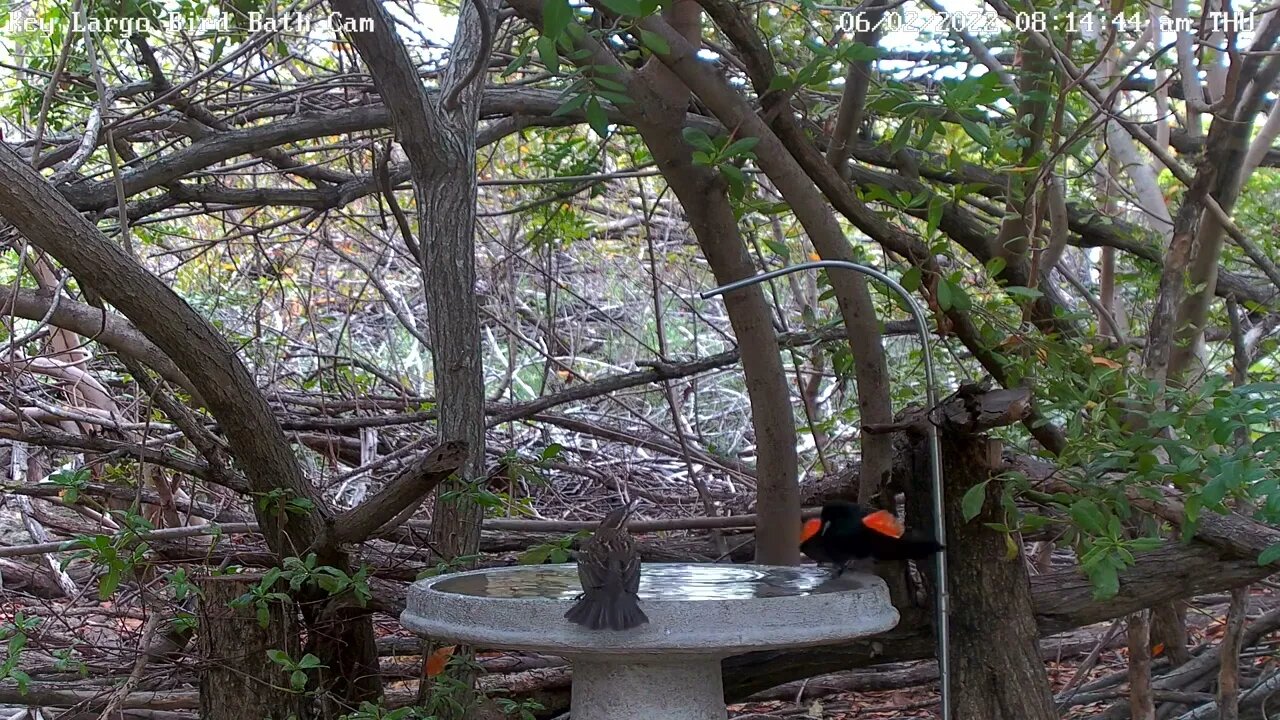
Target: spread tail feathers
(598,612)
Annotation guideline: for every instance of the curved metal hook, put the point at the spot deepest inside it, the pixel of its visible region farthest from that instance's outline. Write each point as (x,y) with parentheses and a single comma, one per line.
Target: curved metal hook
(943,602)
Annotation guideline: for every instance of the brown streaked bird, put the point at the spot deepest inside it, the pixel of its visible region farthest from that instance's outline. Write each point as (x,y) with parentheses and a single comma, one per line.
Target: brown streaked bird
(609,569)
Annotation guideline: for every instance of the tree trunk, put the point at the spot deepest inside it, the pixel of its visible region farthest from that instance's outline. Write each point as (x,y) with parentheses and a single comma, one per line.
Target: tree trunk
(439,137)
(1169,631)
(997,670)
(1141,699)
(237,678)
(658,115)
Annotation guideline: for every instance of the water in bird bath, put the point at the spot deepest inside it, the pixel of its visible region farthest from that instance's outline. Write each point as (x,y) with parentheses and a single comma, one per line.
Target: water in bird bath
(668,668)
(658,581)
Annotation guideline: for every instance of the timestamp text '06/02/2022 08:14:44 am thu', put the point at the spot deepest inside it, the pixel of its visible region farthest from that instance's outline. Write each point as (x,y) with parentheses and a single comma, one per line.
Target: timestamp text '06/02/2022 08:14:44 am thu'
(983,22)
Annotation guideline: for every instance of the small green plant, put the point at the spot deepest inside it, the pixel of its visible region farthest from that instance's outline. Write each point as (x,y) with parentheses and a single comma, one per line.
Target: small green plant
(261,596)
(725,154)
(72,482)
(66,660)
(15,635)
(297,669)
(370,711)
(478,492)
(444,567)
(519,709)
(554,551)
(180,584)
(283,502)
(118,554)
(300,573)
(451,692)
(304,572)
(185,621)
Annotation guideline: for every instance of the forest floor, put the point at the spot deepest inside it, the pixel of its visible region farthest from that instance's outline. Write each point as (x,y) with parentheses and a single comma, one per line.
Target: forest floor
(105,637)
(1091,696)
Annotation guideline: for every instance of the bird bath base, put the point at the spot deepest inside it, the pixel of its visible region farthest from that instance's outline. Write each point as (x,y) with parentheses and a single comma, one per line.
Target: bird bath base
(668,669)
(665,688)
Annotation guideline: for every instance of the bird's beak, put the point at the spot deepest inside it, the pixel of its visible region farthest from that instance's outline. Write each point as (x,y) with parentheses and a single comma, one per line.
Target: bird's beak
(811,527)
(885,523)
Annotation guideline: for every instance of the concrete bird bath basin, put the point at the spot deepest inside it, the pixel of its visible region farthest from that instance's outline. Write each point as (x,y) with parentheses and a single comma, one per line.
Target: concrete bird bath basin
(668,669)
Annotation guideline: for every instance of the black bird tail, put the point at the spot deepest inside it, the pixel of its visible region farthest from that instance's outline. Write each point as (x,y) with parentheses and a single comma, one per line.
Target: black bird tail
(908,548)
(597,611)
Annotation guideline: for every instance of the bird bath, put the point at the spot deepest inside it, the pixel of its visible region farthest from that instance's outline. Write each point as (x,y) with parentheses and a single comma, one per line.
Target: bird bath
(668,669)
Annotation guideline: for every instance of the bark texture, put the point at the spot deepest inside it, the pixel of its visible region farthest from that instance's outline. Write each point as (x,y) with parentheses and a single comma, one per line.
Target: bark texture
(236,675)
(997,670)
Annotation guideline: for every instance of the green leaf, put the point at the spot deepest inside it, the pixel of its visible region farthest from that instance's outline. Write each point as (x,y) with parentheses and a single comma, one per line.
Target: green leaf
(781,82)
(910,279)
(1031,523)
(936,206)
(1146,544)
(1011,548)
(1087,515)
(597,118)
(977,132)
(573,103)
(741,146)
(944,294)
(547,53)
(616,98)
(901,136)
(1269,555)
(973,500)
(655,42)
(697,138)
(109,582)
(279,657)
(604,83)
(1106,581)
(556,16)
(733,173)
(1023,292)
(855,52)
(779,248)
(535,555)
(21,678)
(1214,492)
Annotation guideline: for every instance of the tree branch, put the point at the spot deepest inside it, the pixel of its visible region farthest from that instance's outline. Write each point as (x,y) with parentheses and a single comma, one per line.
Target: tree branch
(402,494)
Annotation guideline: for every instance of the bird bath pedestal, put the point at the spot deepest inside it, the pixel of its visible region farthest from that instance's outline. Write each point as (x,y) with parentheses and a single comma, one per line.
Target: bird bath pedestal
(668,669)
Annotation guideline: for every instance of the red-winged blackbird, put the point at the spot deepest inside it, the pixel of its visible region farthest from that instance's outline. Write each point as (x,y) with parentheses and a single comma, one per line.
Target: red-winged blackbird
(609,569)
(847,531)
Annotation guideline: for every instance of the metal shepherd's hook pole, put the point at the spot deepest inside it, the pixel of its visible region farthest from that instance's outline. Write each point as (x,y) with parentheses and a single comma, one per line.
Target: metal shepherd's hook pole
(935,449)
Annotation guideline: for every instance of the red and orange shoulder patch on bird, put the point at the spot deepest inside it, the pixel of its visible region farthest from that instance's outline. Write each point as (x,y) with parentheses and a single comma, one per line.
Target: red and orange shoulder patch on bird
(885,523)
(810,528)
